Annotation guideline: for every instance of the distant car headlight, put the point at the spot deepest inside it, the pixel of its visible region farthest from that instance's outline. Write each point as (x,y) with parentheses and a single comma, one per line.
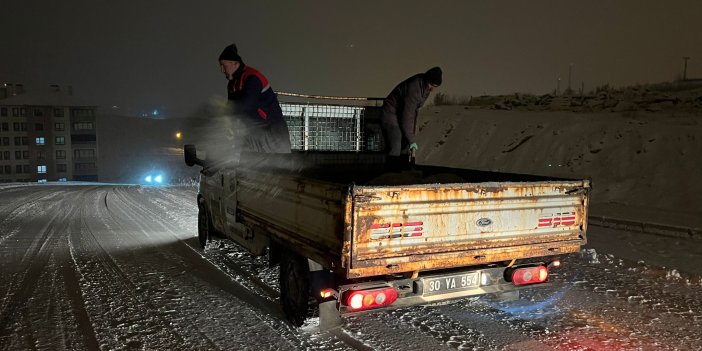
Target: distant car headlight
(154,178)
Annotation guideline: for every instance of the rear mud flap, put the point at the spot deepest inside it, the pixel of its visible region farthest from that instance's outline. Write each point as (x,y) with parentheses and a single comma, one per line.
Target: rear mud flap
(329,317)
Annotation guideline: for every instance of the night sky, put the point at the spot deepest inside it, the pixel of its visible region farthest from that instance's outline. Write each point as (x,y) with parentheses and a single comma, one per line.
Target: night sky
(154,54)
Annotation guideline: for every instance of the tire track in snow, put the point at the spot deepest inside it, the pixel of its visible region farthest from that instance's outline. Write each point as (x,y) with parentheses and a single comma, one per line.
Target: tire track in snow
(15,307)
(251,297)
(123,209)
(13,211)
(70,273)
(130,288)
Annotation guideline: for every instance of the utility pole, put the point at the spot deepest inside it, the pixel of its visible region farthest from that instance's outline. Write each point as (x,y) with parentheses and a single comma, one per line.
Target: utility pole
(685,69)
(570,73)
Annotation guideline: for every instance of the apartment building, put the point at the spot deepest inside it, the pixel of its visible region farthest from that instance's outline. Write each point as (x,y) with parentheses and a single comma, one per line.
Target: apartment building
(46,135)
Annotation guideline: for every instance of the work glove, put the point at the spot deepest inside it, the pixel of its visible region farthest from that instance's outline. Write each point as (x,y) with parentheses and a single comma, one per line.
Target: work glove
(413,147)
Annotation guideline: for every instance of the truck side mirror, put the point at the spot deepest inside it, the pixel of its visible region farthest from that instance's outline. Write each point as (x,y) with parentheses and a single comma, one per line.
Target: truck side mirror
(190,153)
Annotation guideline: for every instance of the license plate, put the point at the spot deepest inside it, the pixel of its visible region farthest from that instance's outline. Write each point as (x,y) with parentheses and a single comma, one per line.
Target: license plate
(450,283)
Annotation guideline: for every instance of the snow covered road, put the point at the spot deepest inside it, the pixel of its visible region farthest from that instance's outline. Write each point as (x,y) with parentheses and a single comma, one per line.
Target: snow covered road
(117,267)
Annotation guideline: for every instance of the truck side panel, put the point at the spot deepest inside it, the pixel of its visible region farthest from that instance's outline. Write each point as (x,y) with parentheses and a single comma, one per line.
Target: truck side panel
(296,211)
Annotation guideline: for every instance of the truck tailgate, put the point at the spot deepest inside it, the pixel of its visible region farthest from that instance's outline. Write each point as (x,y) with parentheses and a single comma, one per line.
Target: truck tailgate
(425,227)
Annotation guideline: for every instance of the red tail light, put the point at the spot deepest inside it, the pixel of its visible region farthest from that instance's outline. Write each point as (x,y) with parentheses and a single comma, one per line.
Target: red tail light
(365,299)
(529,275)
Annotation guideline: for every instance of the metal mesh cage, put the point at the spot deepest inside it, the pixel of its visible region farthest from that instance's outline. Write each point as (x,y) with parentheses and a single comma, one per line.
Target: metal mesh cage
(327,127)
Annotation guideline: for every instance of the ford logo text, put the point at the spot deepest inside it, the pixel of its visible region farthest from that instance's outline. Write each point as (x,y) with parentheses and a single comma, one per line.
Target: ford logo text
(484,222)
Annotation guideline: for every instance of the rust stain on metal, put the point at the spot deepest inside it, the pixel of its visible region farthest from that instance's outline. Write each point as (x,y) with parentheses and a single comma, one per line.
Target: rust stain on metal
(345,253)
(422,263)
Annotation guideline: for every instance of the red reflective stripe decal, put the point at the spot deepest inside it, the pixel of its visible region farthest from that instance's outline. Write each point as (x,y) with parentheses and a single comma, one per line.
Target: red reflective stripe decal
(413,234)
(378,225)
(396,230)
(557,219)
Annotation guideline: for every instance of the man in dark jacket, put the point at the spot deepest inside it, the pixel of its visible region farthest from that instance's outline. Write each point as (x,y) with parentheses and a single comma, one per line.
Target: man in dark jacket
(255,105)
(400,110)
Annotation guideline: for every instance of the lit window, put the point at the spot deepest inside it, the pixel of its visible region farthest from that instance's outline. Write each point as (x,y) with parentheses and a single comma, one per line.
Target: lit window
(41,169)
(40,140)
(60,140)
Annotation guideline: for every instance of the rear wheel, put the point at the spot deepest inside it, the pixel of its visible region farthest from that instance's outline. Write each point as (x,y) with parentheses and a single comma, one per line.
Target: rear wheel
(298,304)
(205,229)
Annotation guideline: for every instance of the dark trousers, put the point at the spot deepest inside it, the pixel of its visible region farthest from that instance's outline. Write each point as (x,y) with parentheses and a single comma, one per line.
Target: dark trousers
(393,139)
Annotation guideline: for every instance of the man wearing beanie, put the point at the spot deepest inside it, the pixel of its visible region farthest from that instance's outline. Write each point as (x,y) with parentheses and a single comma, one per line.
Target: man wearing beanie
(255,104)
(400,111)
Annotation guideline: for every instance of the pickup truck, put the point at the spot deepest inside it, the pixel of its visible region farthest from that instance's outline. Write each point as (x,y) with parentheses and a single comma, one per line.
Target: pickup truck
(351,237)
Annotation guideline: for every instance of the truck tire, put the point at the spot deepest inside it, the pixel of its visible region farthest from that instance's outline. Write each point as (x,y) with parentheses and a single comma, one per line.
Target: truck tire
(205,228)
(295,294)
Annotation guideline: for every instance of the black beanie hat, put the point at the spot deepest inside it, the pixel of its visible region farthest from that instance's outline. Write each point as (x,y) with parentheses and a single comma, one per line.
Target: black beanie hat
(230,53)
(433,76)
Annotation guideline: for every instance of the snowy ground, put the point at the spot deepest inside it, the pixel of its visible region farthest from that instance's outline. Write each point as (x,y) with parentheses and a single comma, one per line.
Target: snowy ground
(118,267)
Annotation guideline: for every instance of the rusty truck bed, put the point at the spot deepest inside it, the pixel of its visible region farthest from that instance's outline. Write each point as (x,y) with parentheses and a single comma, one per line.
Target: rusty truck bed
(344,211)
